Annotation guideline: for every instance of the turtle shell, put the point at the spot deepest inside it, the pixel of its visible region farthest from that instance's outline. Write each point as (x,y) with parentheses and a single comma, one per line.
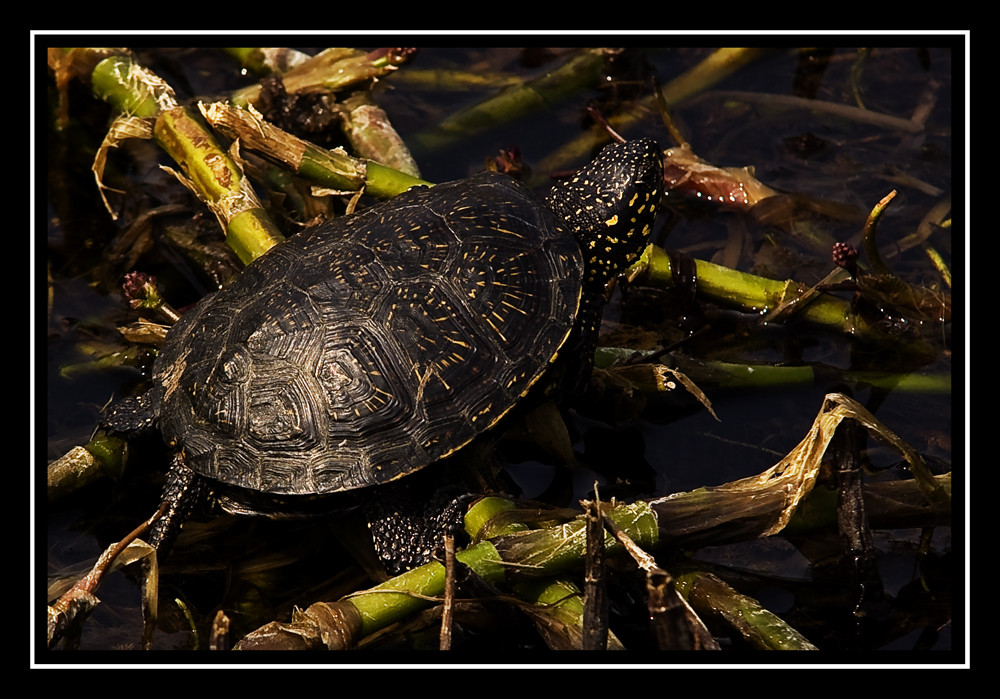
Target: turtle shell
(368,347)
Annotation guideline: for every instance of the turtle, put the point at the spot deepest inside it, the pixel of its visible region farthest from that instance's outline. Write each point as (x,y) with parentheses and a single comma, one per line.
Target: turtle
(365,348)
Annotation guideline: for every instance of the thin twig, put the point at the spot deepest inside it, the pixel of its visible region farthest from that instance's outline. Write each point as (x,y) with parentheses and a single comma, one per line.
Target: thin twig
(595,610)
(448,608)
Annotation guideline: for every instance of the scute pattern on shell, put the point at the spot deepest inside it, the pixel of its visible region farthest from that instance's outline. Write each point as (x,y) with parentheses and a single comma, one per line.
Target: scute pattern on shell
(366,348)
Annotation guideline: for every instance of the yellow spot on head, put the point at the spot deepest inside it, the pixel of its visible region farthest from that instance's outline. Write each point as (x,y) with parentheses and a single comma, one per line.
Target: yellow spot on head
(612,221)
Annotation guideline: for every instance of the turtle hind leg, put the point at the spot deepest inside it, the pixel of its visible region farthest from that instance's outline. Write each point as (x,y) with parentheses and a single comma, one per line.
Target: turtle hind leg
(408,521)
(183,492)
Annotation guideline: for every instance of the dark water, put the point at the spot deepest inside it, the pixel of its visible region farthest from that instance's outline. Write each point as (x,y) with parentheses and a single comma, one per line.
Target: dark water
(256,570)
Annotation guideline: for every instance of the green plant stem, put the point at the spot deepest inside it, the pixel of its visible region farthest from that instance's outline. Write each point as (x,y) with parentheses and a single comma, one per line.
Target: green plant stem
(519,551)
(262,61)
(715,374)
(103,456)
(580,70)
(331,169)
(219,183)
(416,589)
(753,294)
(833,109)
(114,81)
(712,598)
(871,226)
(372,136)
(720,64)
(332,69)
(514,553)
(560,601)
(211,173)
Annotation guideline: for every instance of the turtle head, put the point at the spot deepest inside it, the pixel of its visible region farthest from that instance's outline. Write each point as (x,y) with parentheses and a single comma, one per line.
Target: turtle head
(610,205)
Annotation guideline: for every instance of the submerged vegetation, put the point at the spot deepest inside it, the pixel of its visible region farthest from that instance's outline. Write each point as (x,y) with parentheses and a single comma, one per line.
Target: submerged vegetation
(762,459)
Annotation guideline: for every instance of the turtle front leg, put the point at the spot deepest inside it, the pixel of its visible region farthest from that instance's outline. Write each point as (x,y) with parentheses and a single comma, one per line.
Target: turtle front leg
(582,342)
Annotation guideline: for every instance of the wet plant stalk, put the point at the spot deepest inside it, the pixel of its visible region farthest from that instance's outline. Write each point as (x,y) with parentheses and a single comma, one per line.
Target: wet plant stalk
(104,456)
(561,604)
(580,70)
(762,629)
(330,169)
(755,294)
(208,170)
(720,64)
(333,69)
(745,509)
(262,61)
(708,374)
(364,124)
(536,554)
(373,137)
